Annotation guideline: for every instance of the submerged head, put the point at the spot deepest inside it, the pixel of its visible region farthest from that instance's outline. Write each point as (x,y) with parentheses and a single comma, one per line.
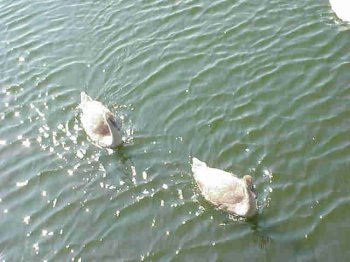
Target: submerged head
(109,117)
(248,180)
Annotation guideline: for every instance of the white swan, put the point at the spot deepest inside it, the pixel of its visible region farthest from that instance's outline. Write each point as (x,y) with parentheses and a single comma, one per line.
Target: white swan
(341,8)
(225,190)
(99,123)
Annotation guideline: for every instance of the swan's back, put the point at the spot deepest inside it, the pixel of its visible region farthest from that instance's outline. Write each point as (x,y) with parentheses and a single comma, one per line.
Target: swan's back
(223,189)
(212,178)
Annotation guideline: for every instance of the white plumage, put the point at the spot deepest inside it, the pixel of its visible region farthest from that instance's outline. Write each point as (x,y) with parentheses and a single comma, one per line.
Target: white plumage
(341,8)
(225,190)
(99,123)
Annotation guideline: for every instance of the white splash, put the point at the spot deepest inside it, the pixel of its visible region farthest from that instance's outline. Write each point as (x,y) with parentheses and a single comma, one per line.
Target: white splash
(22,184)
(36,247)
(133,171)
(26,143)
(80,154)
(144,175)
(26,220)
(179,191)
(44,232)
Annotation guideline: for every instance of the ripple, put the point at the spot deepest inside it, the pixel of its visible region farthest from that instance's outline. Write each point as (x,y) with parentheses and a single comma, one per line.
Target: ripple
(246,85)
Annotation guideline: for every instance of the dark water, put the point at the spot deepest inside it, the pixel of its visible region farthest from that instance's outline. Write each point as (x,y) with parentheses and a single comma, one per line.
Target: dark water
(251,87)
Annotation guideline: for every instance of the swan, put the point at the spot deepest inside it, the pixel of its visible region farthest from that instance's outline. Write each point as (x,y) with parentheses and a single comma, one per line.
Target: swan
(224,190)
(99,123)
(341,8)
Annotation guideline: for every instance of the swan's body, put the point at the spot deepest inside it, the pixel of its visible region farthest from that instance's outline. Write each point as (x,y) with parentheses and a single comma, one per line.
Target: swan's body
(341,8)
(224,190)
(99,123)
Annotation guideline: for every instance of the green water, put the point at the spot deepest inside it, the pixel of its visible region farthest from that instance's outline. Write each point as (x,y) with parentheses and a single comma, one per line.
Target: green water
(251,87)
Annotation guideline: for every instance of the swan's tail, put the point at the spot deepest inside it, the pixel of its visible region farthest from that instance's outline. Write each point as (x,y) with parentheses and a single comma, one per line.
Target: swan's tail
(84,98)
(197,164)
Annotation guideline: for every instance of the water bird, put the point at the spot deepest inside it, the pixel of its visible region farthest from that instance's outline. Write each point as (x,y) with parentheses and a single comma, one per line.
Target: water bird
(99,123)
(341,8)
(225,190)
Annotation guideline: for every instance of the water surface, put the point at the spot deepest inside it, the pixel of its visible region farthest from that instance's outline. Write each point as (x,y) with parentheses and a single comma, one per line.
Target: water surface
(251,87)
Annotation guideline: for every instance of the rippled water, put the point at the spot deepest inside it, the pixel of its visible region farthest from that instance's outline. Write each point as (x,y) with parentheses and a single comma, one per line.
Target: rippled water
(252,87)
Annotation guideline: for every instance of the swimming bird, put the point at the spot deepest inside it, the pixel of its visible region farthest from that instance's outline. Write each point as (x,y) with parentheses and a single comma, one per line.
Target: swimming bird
(224,190)
(99,123)
(341,8)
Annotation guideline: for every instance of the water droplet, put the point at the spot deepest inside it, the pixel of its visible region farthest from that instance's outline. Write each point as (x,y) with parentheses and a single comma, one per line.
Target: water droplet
(179,191)
(80,154)
(144,175)
(26,143)
(36,247)
(21,184)
(133,171)
(26,220)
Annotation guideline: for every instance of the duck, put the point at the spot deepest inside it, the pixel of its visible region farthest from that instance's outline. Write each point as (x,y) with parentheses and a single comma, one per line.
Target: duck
(225,190)
(341,8)
(99,123)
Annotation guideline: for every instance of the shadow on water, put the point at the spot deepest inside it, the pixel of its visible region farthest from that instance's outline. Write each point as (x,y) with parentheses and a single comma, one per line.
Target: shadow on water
(261,237)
